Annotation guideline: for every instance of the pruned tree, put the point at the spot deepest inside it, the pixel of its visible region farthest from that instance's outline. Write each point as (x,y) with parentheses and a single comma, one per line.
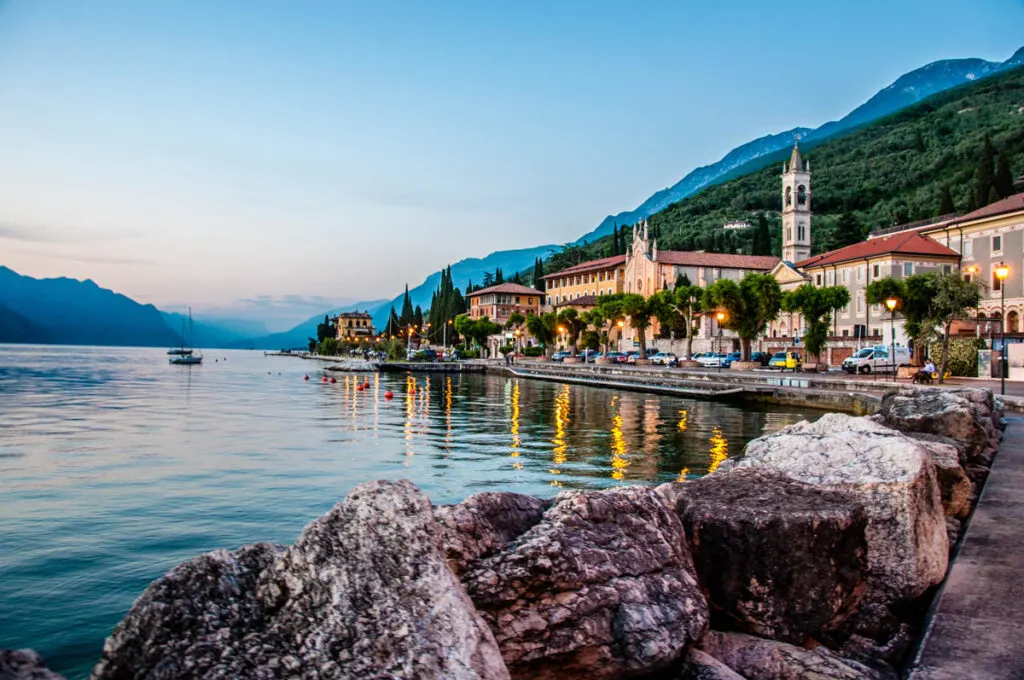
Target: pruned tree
(816,305)
(748,305)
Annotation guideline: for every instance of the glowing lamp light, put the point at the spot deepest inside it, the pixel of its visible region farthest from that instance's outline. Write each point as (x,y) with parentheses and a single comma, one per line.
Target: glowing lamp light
(720,316)
(1002,272)
(891,304)
(621,323)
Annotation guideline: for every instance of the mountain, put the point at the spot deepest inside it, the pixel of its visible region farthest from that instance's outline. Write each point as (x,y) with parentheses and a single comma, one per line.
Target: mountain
(890,172)
(68,311)
(214,332)
(15,327)
(298,336)
(905,91)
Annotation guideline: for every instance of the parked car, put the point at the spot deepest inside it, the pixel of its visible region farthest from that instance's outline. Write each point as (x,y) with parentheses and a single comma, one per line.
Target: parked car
(665,359)
(784,360)
(614,357)
(711,360)
(424,354)
(876,360)
(560,356)
(587,355)
(632,357)
(622,358)
(731,357)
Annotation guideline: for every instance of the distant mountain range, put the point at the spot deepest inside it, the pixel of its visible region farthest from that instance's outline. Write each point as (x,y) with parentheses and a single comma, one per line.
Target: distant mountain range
(80,312)
(72,312)
(908,89)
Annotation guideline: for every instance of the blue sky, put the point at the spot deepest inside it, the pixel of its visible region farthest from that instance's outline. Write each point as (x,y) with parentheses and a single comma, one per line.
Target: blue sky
(218,152)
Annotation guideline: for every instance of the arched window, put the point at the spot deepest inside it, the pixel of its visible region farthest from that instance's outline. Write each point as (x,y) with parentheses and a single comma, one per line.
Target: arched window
(639,285)
(1012,322)
(789,234)
(801,195)
(801,232)
(789,195)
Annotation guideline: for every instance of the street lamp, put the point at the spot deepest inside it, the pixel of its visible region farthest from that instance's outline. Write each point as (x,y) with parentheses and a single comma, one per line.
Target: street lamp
(620,324)
(1002,272)
(518,332)
(721,317)
(446,336)
(972,272)
(891,304)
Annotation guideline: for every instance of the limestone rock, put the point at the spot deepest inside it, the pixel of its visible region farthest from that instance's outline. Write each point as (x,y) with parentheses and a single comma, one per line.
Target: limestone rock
(702,666)
(602,587)
(485,523)
(888,473)
(779,558)
(24,664)
(954,485)
(759,659)
(966,415)
(364,592)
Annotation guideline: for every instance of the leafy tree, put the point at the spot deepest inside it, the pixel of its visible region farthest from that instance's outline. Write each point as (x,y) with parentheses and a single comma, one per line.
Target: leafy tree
(984,177)
(476,330)
(543,328)
(688,300)
(573,323)
(1004,178)
(312,345)
(913,297)
(749,305)
(953,297)
(325,330)
(638,309)
(515,320)
(946,206)
(847,232)
(329,346)
(816,305)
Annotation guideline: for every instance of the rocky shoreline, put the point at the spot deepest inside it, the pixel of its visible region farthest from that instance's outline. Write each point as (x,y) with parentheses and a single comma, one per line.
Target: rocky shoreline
(812,556)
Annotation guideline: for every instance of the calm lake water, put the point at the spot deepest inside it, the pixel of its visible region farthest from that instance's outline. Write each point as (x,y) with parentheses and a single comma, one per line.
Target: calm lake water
(115,466)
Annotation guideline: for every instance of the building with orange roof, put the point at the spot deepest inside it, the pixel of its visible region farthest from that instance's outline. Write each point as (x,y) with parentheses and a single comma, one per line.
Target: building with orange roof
(587,279)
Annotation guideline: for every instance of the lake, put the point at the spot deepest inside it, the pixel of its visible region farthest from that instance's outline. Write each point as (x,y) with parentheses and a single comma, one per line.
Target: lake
(115,465)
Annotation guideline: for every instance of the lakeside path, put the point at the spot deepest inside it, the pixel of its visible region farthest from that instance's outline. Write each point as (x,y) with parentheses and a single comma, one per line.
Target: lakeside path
(975,628)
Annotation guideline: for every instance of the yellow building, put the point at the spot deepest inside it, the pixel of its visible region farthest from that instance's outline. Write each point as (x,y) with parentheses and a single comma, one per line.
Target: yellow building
(354,327)
(594,278)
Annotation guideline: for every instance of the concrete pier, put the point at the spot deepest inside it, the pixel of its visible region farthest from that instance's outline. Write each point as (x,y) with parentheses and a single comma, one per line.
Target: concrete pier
(975,628)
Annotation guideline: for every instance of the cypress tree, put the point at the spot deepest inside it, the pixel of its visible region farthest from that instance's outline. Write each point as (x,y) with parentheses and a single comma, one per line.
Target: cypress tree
(984,177)
(407,312)
(417,318)
(394,325)
(1004,178)
(762,241)
(515,279)
(538,274)
(993,195)
(848,231)
(946,201)
(498,276)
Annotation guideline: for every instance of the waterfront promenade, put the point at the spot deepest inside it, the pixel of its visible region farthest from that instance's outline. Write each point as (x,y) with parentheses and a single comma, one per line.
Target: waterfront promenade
(974,631)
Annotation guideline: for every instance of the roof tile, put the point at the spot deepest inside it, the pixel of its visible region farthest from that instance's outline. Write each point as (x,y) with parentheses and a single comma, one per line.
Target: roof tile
(903,243)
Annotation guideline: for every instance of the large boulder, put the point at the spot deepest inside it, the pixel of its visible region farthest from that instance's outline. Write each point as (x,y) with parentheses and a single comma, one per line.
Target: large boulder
(364,592)
(966,415)
(484,523)
(779,558)
(602,587)
(888,473)
(24,664)
(702,666)
(758,659)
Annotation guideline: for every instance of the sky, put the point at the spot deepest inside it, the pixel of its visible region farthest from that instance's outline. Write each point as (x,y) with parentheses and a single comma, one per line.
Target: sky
(220,153)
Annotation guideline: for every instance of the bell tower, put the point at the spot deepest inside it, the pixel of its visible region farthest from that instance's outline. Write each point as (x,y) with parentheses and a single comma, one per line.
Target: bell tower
(796,208)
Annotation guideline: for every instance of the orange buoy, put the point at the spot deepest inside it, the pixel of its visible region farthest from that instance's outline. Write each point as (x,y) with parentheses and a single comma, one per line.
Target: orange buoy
(366,385)
(305,377)
(359,388)
(334,380)
(389,395)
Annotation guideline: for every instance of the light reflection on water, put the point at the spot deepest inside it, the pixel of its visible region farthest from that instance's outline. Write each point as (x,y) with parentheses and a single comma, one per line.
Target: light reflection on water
(114,465)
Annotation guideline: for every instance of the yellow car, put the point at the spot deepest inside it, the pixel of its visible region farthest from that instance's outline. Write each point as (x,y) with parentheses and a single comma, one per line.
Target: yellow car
(784,360)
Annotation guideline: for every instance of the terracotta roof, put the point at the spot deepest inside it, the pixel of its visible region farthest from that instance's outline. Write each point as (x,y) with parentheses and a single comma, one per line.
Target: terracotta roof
(721,260)
(511,288)
(592,265)
(904,243)
(1007,205)
(581,301)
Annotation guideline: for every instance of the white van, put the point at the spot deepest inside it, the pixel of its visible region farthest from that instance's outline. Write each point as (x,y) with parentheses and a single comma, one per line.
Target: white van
(876,360)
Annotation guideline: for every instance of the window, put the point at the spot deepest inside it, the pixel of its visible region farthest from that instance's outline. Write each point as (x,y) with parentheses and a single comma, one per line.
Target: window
(846,332)
(947,268)
(843,271)
(860,273)
(801,232)
(997,244)
(968,247)
(860,303)
(954,244)
(789,195)
(530,301)
(908,268)
(801,195)
(601,292)
(517,299)
(831,277)
(997,285)
(549,300)
(874,271)
(789,233)
(817,280)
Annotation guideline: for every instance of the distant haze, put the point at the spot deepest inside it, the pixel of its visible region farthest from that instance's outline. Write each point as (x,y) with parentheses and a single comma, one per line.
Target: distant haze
(268,160)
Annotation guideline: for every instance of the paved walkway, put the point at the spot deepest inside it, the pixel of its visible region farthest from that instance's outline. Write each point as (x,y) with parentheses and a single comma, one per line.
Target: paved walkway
(977,630)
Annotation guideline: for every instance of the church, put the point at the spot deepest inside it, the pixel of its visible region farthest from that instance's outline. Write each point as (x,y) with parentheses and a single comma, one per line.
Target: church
(897,255)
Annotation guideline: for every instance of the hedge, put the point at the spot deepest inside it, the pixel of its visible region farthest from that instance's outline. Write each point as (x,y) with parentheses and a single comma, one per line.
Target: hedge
(963,356)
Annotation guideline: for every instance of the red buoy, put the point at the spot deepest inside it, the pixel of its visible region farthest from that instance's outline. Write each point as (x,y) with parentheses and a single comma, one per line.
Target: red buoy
(305,377)
(359,388)
(389,395)
(366,385)
(334,380)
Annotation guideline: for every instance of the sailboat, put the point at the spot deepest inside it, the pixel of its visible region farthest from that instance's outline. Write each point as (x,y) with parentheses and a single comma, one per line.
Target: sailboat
(186,355)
